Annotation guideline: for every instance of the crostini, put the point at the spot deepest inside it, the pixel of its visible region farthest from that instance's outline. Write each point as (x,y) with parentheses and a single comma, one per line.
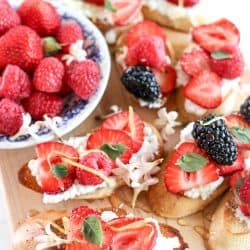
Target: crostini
(93,166)
(86,228)
(143,56)
(195,173)
(177,14)
(111,16)
(209,72)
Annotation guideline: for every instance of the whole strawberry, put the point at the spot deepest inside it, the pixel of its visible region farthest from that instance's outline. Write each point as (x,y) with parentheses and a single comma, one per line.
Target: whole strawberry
(39,104)
(228,62)
(48,75)
(68,33)
(39,15)
(8,18)
(21,46)
(10,117)
(15,83)
(83,78)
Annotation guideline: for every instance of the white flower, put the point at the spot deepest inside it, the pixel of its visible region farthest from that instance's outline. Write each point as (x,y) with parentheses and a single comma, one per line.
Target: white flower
(76,53)
(166,122)
(138,175)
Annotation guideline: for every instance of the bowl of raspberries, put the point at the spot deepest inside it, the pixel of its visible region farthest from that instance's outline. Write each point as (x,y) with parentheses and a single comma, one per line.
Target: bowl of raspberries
(54,69)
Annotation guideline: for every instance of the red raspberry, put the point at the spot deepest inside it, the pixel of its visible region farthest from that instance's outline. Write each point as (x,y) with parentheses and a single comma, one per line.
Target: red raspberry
(83,78)
(148,51)
(8,18)
(99,162)
(10,117)
(245,190)
(231,67)
(39,104)
(48,75)
(69,33)
(15,83)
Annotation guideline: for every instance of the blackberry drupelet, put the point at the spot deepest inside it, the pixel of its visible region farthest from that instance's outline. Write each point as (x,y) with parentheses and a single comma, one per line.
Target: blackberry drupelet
(245,109)
(212,135)
(141,82)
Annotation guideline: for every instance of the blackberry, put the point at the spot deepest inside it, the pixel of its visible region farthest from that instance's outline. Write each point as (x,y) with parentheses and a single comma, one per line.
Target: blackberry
(245,109)
(141,82)
(212,135)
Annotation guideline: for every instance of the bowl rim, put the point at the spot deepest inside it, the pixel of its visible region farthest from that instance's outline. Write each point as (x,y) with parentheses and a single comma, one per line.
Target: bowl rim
(93,101)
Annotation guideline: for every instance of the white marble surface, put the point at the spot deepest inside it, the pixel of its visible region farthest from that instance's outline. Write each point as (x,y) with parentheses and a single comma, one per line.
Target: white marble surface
(237,11)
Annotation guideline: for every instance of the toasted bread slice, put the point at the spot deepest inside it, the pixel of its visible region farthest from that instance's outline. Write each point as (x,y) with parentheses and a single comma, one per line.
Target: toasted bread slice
(24,237)
(226,231)
(171,205)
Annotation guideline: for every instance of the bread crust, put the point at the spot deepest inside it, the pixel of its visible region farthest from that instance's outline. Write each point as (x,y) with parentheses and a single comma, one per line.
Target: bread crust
(24,237)
(171,205)
(226,231)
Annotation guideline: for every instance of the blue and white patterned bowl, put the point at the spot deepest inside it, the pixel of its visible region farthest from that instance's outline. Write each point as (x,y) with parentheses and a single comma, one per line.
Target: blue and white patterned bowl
(75,110)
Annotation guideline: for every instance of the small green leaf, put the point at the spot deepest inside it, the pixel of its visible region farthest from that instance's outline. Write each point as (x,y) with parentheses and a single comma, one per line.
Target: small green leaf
(92,230)
(242,134)
(220,55)
(113,151)
(60,170)
(51,46)
(108,6)
(191,162)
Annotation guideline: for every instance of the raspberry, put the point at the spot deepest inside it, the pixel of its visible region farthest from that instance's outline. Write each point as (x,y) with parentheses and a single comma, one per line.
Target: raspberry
(231,67)
(83,78)
(15,83)
(39,104)
(10,117)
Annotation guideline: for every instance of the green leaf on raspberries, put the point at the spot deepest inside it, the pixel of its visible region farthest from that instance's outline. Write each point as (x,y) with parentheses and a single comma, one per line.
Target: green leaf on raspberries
(108,6)
(242,134)
(92,230)
(51,46)
(59,170)
(113,151)
(191,162)
(220,55)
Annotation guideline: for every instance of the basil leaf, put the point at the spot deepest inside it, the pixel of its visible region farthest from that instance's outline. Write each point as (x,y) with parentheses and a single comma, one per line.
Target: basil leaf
(59,170)
(191,162)
(92,230)
(220,55)
(108,6)
(113,151)
(242,134)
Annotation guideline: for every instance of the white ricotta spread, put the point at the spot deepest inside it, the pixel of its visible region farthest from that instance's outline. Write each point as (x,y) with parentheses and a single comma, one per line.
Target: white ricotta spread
(149,148)
(80,143)
(193,108)
(186,134)
(182,77)
(111,36)
(108,216)
(153,105)
(194,13)
(205,191)
(243,218)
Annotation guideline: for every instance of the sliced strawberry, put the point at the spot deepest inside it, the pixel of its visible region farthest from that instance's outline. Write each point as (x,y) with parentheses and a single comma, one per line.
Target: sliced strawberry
(233,179)
(237,121)
(97,161)
(98,2)
(195,61)
(77,217)
(45,149)
(238,165)
(205,90)
(120,121)
(142,29)
(245,209)
(186,3)
(52,183)
(244,190)
(148,51)
(112,137)
(126,10)
(215,35)
(143,238)
(177,180)
(166,79)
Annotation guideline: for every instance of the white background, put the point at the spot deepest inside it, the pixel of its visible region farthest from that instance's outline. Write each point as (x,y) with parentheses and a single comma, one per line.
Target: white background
(237,11)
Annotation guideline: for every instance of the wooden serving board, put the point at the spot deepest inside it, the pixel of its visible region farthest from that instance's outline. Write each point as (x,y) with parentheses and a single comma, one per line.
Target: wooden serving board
(20,201)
